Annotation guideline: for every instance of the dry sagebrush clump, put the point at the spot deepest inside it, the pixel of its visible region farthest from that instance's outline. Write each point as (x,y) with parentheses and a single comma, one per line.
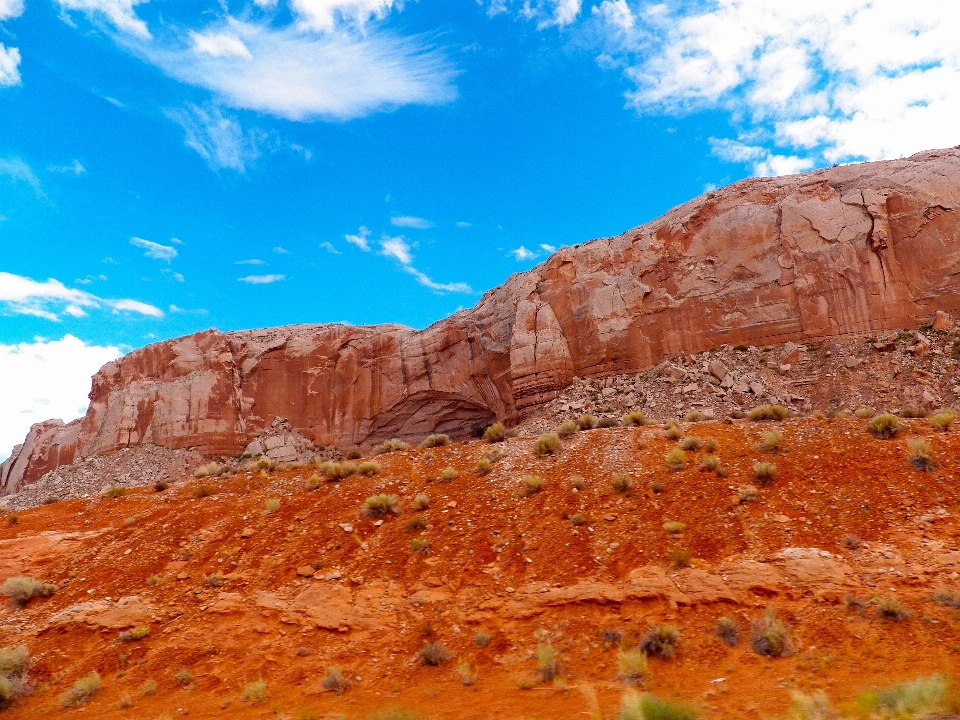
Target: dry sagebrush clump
(21,590)
(885,426)
(547,444)
(495,433)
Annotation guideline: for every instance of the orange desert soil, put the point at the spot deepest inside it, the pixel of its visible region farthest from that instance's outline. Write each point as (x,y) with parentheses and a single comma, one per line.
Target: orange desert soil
(316,583)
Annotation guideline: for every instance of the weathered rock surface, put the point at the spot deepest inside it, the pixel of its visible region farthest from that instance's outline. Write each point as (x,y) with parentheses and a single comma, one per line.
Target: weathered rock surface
(853,249)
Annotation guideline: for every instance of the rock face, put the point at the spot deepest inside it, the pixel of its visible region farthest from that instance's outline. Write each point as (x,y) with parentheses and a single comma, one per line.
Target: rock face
(846,250)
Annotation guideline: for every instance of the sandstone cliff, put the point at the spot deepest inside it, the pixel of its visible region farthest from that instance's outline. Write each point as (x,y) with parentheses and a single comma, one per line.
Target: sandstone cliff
(846,250)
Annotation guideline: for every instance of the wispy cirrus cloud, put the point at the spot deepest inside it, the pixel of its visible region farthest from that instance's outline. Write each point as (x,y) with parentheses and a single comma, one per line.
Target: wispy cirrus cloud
(261,279)
(24,296)
(216,136)
(399,249)
(408,221)
(119,13)
(19,171)
(252,261)
(153,250)
(74,168)
(360,238)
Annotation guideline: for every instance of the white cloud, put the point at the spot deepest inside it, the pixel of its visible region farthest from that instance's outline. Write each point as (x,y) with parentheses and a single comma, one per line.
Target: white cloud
(219,45)
(9,66)
(462,224)
(521,253)
(90,279)
(24,296)
(176,241)
(75,168)
(397,248)
(547,13)
(281,251)
(457,287)
(218,138)
(323,14)
(547,248)
(300,73)
(407,221)
(261,279)
(44,380)
(328,246)
(10,9)
(155,251)
(18,171)
(253,261)
(360,239)
(182,311)
(807,83)
(119,12)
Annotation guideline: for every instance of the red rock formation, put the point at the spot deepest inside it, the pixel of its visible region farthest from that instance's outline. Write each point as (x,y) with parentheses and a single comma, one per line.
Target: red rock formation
(853,249)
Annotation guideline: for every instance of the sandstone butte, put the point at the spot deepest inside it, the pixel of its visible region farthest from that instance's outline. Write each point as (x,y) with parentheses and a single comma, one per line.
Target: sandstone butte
(840,251)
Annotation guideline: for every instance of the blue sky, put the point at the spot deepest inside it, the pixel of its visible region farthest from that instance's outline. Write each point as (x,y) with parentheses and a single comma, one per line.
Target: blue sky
(166,167)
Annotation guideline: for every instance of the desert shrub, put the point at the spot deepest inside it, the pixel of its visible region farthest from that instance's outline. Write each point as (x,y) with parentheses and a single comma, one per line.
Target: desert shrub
(694,416)
(891,609)
(254,692)
(768,412)
(921,454)
(547,444)
(942,419)
(678,558)
(334,680)
(764,472)
(183,677)
(656,486)
(213,581)
(13,519)
(921,698)
(21,589)
(885,426)
(161,486)
(448,475)
(388,446)
(421,502)
(432,441)
(771,441)
(567,428)
(433,654)
(632,666)
(202,491)
(852,542)
(311,483)
(691,443)
(532,484)
(482,638)
(709,463)
(484,466)
(368,468)
(420,546)
(621,482)
(607,422)
(335,472)
(673,432)
(728,630)
(495,433)
(674,526)
(578,519)
(14,661)
(133,634)
(379,506)
(416,524)
(586,422)
(865,413)
(650,707)
(577,481)
(710,445)
(211,469)
(947,598)
(82,690)
(546,663)
(153,580)
(676,459)
(149,687)
(634,419)
(661,641)
(748,494)
(912,413)
(466,673)
(770,636)
(271,506)
(115,491)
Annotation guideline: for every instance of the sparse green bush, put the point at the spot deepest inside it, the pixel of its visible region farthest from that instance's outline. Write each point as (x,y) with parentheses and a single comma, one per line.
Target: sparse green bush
(920,698)
(710,445)
(865,413)
(921,454)
(885,426)
(586,422)
(673,432)
(709,463)
(676,459)
(567,428)
(114,491)
(133,634)
(416,524)
(768,412)
(891,609)
(153,580)
(484,466)
(942,419)
(388,446)
(202,491)
(811,707)
(311,483)
(621,482)
(728,630)
(334,680)
(695,416)
(634,419)
(211,469)
(82,690)
(577,481)
(650,707)
(947,598)
(14,661)
(546,663)
(379,506)
(420,546)
(432,441)
(421,502)
(335,472)
(532,484)
(448,475)
(661,641)
(183,677)
(482,638)
(748,494)
(547,444)
(770,636)
(691,443)
(433,654)
(764,472)
(578,519)
(678,558)
(21,589)
(368,468)
(674,526)
(495,433)
(632,666)
(771,442)
(271,506)
(255,692)
(466,673)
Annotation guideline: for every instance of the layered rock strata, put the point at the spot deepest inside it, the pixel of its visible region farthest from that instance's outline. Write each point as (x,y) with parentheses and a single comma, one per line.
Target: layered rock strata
(847,250)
